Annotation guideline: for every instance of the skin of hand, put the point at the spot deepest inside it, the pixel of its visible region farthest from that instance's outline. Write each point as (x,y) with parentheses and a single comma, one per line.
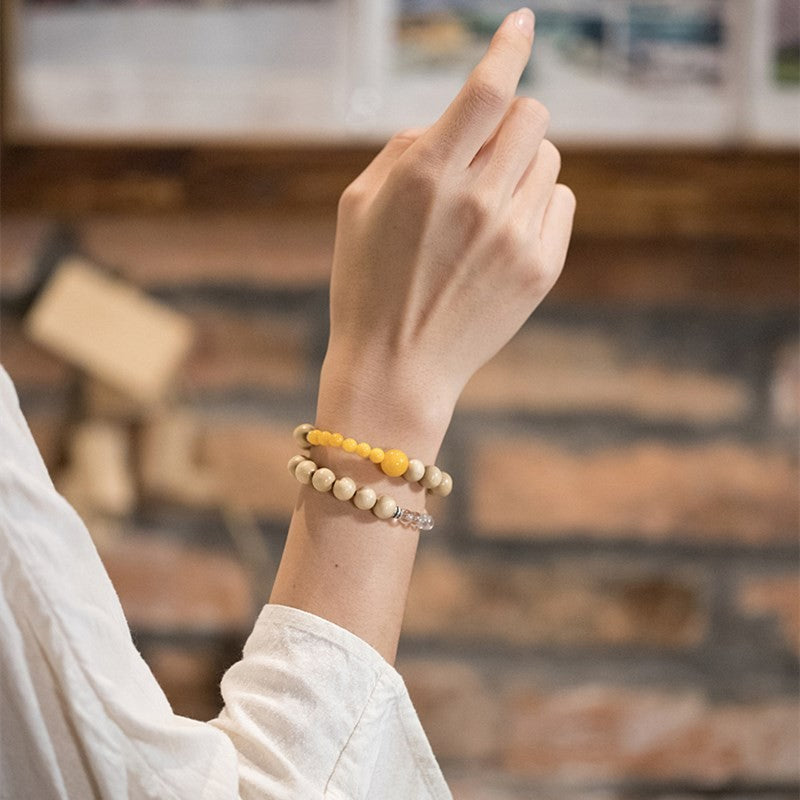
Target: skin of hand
(445,245)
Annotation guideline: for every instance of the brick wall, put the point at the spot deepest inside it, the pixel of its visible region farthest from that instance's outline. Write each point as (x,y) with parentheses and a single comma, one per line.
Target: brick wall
(609,607)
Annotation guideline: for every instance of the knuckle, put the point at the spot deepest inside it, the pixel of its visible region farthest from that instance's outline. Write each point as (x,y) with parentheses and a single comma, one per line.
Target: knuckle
(550,152)
(486,94)
(536,114)
(351,197)
(512,244)
(416,177)
(475,210)
(569,195)
(406,136)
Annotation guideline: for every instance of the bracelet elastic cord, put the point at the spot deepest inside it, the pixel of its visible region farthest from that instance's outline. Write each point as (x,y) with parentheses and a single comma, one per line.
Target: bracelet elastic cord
(365,498)
(393,462)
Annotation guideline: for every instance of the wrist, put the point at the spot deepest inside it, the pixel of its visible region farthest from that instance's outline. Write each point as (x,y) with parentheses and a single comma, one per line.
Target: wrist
(388,406)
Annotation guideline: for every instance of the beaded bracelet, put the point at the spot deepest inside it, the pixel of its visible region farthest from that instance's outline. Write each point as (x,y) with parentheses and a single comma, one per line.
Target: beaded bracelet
(394,463)
(384,507)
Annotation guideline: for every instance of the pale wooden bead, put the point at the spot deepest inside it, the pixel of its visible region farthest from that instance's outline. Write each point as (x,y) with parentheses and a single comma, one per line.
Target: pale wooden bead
(323,479)
(432,477)
(300,432)
(384,507)
(293,462)
(365,498)
(416,469)
(304,471)
(344,488)
(445,487)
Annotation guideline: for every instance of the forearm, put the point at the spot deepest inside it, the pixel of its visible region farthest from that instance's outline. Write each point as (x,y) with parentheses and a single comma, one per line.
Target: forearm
(445,244)
(341,563)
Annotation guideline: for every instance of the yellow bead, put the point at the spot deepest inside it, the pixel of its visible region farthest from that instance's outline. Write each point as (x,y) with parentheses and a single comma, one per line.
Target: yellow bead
(363,449)
(313,436)
(376,455)
(395,463)
(349,445)
(325,438)
(336,439)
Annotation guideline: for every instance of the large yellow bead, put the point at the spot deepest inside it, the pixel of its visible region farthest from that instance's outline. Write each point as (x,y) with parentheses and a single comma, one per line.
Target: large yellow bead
(395,463)
(363,449)
(325,438)
(313,437)
(336,439)
(376,455)
(349,445)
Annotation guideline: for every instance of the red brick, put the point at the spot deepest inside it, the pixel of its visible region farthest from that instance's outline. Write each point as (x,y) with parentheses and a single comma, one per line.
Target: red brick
(22,239)
(774,597)
(269,250)
(250,458)
(596,733)
(247,350)
(785,388)
(693,272)
(460,715)
(476,784)
(189,677)
(576,735)
(572,602)
(163,584)
(721,491)
(30,366)
(547,368)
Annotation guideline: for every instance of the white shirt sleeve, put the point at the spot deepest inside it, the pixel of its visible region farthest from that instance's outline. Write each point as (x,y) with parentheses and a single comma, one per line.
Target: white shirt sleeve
(311,710)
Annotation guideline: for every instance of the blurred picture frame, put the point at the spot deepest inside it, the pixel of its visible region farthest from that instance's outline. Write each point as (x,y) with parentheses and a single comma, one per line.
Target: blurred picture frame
(160,72)
(639,72)
(773,112)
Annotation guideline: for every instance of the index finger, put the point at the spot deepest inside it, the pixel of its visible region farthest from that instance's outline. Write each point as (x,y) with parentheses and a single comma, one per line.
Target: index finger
(483,100)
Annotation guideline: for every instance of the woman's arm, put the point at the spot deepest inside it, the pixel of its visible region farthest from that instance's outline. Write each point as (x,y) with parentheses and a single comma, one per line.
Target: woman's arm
(445,245)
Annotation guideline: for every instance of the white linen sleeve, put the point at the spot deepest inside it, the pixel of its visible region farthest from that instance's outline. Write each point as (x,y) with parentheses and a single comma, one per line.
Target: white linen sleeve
(314,711)
(311,710)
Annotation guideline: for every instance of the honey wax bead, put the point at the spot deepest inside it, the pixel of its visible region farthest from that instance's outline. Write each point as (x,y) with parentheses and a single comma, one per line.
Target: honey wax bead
(446,485)
(385,507)
(336,439)
(300,433)
(432,477)
(344,488)
(349,445)
(363,449)
(416,469)
(376,455)
(324,438)
(293,462)
(395,463)
(304,471)
(313,437)
(323,479)
(365,498)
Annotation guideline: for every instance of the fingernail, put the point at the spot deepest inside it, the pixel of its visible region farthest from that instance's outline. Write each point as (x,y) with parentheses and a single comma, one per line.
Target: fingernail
(524,21)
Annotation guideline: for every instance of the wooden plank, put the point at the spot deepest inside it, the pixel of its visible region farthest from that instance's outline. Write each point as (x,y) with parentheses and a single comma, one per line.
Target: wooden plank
(110,329)
(739,193)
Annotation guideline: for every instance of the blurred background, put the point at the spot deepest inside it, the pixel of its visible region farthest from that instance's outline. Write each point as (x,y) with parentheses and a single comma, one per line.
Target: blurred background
(609,605)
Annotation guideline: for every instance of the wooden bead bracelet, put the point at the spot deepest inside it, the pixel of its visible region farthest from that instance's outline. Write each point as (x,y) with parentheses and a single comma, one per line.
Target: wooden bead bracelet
(382,506)
(394,463)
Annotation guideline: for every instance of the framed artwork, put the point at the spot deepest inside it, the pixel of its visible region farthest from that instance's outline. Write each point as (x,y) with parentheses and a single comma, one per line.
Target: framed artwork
(607,70)
(126,69)
(298,71)
(773,93)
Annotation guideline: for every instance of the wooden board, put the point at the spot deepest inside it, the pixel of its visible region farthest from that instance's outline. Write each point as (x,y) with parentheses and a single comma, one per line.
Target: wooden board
(112,330)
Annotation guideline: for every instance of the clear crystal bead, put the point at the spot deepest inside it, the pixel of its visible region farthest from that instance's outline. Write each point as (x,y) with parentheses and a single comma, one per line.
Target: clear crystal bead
(426,523)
